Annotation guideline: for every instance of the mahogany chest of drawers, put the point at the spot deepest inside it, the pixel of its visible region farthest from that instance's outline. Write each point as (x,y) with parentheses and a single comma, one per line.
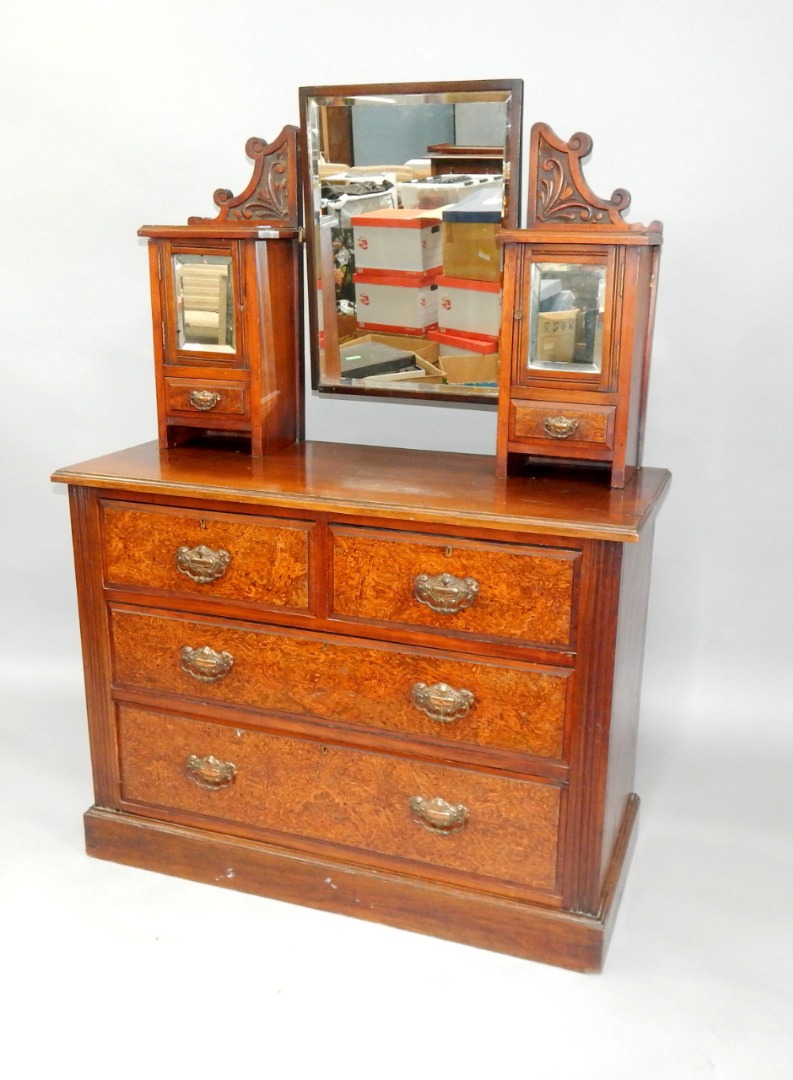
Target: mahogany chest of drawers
(376,681)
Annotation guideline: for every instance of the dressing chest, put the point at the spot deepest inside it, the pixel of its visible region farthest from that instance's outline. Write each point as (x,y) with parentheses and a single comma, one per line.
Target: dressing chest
(376,681)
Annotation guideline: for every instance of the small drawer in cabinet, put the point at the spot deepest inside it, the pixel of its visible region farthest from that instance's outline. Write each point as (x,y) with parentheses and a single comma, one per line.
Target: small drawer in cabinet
(432,696)
(452,819)
(560,427)
(218,556)
(206,400)
(455,587)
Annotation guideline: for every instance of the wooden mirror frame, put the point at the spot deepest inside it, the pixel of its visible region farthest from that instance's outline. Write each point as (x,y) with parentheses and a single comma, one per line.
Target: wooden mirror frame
(513,88)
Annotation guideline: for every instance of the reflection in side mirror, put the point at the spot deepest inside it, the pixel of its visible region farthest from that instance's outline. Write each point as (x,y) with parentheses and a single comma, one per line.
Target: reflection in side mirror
(406,187)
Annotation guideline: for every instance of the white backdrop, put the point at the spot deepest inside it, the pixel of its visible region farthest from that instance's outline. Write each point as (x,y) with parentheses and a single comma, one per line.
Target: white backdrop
(116,115)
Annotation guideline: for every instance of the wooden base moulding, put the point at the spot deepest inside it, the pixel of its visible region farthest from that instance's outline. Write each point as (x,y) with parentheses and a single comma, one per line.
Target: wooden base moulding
(577,942)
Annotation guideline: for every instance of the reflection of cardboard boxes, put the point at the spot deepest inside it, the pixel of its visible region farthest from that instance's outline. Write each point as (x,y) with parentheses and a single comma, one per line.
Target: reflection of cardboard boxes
(469,237)
(362,358)
(556,332)
(419,346)
(451,344)
(469,307)
(470,370)
(420,353)
(396,303)
(397,241)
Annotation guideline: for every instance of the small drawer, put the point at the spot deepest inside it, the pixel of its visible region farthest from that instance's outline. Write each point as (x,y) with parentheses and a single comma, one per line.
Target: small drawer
(433,696)
(206,399)
(559,426)
(458,820)
(455,587)
(218,556)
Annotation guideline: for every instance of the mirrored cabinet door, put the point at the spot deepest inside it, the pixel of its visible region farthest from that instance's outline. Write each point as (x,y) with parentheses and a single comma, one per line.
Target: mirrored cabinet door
(203,304)
(568,306)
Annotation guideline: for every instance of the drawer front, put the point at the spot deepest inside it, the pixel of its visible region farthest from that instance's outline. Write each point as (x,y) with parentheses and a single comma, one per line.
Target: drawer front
(455,587)
(203,400)
(560,427)
(457,819)
(431,695)
(219,556)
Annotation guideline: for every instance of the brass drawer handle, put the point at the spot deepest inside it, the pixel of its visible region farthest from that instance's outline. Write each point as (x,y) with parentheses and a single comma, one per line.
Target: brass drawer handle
(445,593)
(560,427)
(204,400)
(201,563)
(437,815)
(205,664)
(209,773)
(442,702)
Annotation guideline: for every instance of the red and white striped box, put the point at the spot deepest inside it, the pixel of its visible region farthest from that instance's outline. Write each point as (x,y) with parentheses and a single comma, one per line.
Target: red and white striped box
(397,242)
(451,344)
(396,303)
(469,307)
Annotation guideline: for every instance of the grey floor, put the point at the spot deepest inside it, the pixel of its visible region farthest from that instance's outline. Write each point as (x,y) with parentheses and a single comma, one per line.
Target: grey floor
(116,972)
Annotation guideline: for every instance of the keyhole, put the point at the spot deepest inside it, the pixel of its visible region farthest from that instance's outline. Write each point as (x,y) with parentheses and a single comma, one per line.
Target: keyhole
(448,553)
(202,523)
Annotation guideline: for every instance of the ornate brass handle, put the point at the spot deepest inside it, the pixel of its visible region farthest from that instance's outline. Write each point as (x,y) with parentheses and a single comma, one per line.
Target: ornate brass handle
(204,400)
(209,773)
(445,593)
(205,664)
(201,563)
(560,427)
(442,702)
(437,815)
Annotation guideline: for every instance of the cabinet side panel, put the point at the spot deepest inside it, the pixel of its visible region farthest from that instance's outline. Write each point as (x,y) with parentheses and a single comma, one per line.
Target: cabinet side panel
(95,643)
(629,655)
(281,400)
(640,343)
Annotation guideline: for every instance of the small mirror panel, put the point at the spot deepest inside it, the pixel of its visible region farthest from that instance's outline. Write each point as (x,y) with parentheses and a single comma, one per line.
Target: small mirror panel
(567,312)
(204,294)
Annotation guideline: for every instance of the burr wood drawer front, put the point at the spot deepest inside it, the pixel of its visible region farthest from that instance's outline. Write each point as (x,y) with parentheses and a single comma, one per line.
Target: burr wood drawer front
(460,820)
(212,555)
(559,427)
(205,400)
(455,587)
(423,693)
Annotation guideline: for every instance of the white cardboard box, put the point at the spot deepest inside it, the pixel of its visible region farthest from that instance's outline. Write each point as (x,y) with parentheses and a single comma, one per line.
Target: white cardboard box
(399,304)
(397,241)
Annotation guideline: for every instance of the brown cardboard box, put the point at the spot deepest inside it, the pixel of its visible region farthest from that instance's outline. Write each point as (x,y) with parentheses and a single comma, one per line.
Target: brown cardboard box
(470,369)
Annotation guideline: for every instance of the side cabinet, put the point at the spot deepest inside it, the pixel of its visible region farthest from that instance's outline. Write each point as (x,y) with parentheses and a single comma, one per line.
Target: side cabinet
(579,301)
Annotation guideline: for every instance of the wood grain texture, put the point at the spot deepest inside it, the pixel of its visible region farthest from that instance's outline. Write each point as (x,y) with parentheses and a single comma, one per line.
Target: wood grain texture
(376,482)
(269,559)
(524,593)
(595,424)
(518,707)
(356,799)
(233,398)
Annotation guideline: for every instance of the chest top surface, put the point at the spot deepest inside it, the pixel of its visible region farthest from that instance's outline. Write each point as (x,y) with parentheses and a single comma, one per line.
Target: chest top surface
(383,482)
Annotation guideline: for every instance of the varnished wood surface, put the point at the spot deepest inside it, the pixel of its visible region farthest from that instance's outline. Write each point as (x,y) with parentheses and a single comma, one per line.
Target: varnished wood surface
(524,593)
(381,482)
(354,798)
(517,707)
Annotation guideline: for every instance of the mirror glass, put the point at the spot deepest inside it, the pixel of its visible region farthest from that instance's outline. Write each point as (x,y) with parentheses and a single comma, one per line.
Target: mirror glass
(406,187)
(204,295)
(567,309)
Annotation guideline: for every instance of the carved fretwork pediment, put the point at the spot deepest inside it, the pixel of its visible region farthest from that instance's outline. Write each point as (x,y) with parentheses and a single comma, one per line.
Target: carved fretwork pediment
(271,197)
(558,193)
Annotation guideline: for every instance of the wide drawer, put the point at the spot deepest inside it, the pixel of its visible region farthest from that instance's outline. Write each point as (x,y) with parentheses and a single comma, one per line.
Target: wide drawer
(456,819)
(431,695)
(218,556)
(455,587)
(561,427)
(204,400)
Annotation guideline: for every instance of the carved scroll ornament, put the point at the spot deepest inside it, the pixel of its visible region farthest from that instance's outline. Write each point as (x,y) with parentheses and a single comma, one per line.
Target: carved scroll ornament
(271,197)
(558,192)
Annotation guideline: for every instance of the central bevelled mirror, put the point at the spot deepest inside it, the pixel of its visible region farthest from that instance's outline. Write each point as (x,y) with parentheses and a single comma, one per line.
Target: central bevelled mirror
(406,187)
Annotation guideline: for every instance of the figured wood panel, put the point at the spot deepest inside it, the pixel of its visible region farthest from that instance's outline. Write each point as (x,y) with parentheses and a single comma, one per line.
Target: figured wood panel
(593,424)
(269,559)
(524,593)
(516,707)
(357,799)
(232,398)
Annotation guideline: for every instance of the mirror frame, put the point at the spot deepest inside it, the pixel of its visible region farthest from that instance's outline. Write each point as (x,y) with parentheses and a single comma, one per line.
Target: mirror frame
(511,218)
